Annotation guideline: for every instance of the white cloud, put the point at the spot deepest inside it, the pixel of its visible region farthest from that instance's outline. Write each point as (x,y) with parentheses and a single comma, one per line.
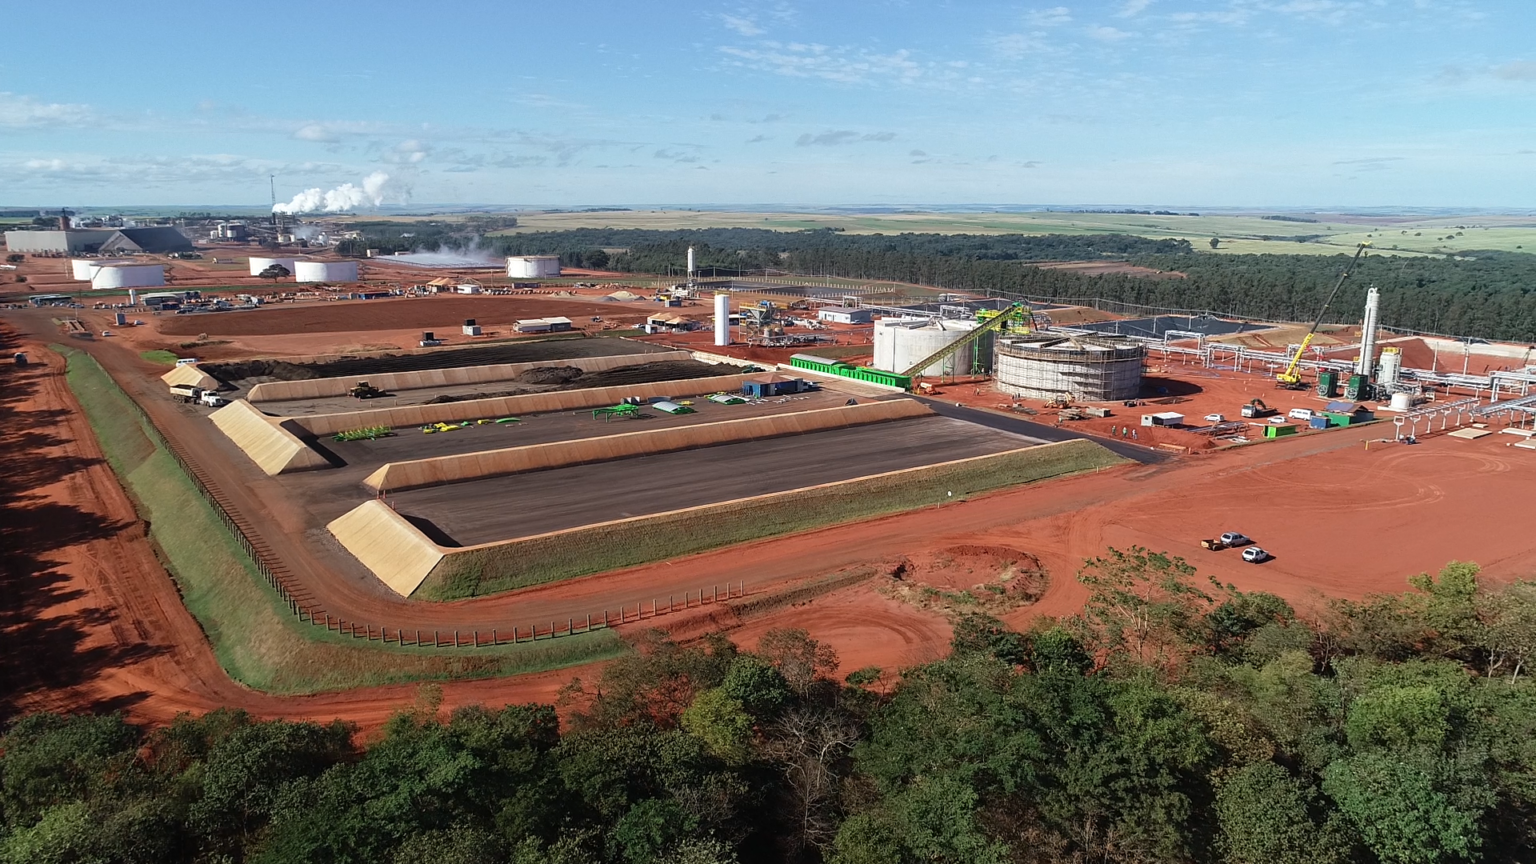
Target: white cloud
(1132,8)
(1109,34)
(743,24)
(17,111)
(316,132)
(1017,45)
(1052,17)
(810,60)
(841,136)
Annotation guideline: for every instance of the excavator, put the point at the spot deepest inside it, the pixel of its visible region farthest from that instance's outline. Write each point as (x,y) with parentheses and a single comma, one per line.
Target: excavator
(1290,379)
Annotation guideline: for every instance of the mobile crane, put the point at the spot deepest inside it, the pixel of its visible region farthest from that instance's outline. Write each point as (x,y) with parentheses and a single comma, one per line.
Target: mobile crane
(1290,379)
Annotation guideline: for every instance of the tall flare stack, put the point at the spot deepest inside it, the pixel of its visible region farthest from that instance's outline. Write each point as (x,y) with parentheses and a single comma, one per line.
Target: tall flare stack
(722,319)
(1366,365)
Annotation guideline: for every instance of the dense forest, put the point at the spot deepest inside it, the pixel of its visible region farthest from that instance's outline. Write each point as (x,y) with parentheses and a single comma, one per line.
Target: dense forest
(1173,720)
(1484,295)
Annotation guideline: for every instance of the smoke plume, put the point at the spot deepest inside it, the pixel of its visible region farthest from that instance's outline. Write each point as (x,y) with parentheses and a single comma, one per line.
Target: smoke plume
(376,189)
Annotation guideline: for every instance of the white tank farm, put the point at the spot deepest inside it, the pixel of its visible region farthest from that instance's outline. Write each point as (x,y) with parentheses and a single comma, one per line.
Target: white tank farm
(325,271)
(259,264)
(84,268)
(899,343)
(1085,369)
(128,276)
(532,266)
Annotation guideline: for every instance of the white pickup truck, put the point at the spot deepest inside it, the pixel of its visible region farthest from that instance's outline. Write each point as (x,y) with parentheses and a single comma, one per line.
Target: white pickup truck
(188,393)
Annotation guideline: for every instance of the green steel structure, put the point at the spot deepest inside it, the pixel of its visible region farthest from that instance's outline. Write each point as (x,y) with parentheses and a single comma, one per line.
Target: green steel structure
(848,370)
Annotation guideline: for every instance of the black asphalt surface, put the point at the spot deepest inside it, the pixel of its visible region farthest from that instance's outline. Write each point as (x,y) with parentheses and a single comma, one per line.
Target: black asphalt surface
(1040,431)
(1155,327)
(502,508)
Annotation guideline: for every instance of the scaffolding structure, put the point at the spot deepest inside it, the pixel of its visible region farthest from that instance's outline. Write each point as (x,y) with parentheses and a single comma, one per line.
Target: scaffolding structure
(1081,368)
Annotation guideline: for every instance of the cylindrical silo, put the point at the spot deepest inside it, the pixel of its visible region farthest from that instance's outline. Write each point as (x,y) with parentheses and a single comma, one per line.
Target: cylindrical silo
(1401,402)
(899,344)
(325,271)
(722,319)
(1391,366)
(260,263)
(1080,368)
(84,268)
(532,266)
(128,276)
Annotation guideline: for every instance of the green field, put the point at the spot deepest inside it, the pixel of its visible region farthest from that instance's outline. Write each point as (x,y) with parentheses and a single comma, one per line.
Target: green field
(253,635)
(1239,234)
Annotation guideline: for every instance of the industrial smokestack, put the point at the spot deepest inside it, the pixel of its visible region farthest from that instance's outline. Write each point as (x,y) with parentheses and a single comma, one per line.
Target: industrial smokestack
(722,316)
(1366,365)
(690,263)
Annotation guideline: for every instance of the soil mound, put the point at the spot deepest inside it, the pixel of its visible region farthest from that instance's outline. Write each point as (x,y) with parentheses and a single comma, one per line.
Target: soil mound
(550,375)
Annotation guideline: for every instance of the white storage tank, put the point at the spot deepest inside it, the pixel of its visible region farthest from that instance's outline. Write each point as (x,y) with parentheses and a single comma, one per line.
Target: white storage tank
(1401,402)
(325,271)
(128,276)
(722,319)
(82,269)
(899,343)
(259,264)
(532,266)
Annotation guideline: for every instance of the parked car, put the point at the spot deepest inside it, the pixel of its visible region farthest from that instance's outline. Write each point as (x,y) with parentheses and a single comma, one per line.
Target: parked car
(1255,555)
(1233,538)
(1215,418)
(1279,421)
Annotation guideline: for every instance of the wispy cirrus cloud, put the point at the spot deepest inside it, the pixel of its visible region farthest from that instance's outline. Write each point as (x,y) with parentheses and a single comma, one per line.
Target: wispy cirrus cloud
(1055,16)
(841,136)
(812,60)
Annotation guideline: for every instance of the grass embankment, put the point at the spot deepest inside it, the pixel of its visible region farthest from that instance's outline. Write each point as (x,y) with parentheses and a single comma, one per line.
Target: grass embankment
(563,555)
(160,356)
(257,641)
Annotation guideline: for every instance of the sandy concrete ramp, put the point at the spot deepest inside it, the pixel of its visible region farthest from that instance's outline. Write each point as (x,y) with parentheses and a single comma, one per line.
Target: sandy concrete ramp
(396,476)
(318,388)
(387,544)
(512,406)
(190,376)
(275,449)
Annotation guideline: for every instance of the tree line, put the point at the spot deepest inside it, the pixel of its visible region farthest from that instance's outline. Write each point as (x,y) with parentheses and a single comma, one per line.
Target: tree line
(1173,720)
(1476,294)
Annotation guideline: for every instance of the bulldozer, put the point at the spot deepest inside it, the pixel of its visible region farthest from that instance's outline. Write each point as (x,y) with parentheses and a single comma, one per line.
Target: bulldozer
(364,390)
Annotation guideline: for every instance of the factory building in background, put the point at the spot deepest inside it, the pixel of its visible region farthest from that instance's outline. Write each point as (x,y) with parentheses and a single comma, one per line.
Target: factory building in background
(112,241)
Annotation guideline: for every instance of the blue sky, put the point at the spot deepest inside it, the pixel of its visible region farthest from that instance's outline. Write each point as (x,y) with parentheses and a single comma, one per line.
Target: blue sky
(1171,102)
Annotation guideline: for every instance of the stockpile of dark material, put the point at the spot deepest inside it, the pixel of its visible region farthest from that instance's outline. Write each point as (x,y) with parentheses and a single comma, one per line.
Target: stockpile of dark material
(488,355)
(572,378)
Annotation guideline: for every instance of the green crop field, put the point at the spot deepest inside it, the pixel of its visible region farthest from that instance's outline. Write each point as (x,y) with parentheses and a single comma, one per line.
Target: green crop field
(1238,233)
(567,554)
(253,635)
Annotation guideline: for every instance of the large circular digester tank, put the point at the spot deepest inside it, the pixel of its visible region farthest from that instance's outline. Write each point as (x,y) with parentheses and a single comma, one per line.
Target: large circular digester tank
(260,263)
(1082,368)
(901,343)
(128,276)
(325,271)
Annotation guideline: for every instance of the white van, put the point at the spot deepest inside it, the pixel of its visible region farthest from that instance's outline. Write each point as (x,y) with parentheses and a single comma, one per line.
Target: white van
(1302,414)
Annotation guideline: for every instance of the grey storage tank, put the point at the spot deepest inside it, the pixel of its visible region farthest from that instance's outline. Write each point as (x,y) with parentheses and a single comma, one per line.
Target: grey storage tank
(1082,368)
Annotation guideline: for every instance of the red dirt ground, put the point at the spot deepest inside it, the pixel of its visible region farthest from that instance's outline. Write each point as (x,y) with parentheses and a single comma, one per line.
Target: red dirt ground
(405,313)
(1340,519)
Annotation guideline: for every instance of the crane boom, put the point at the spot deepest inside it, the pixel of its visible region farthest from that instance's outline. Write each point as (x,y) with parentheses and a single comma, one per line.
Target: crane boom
(991,324)
(1290,377)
